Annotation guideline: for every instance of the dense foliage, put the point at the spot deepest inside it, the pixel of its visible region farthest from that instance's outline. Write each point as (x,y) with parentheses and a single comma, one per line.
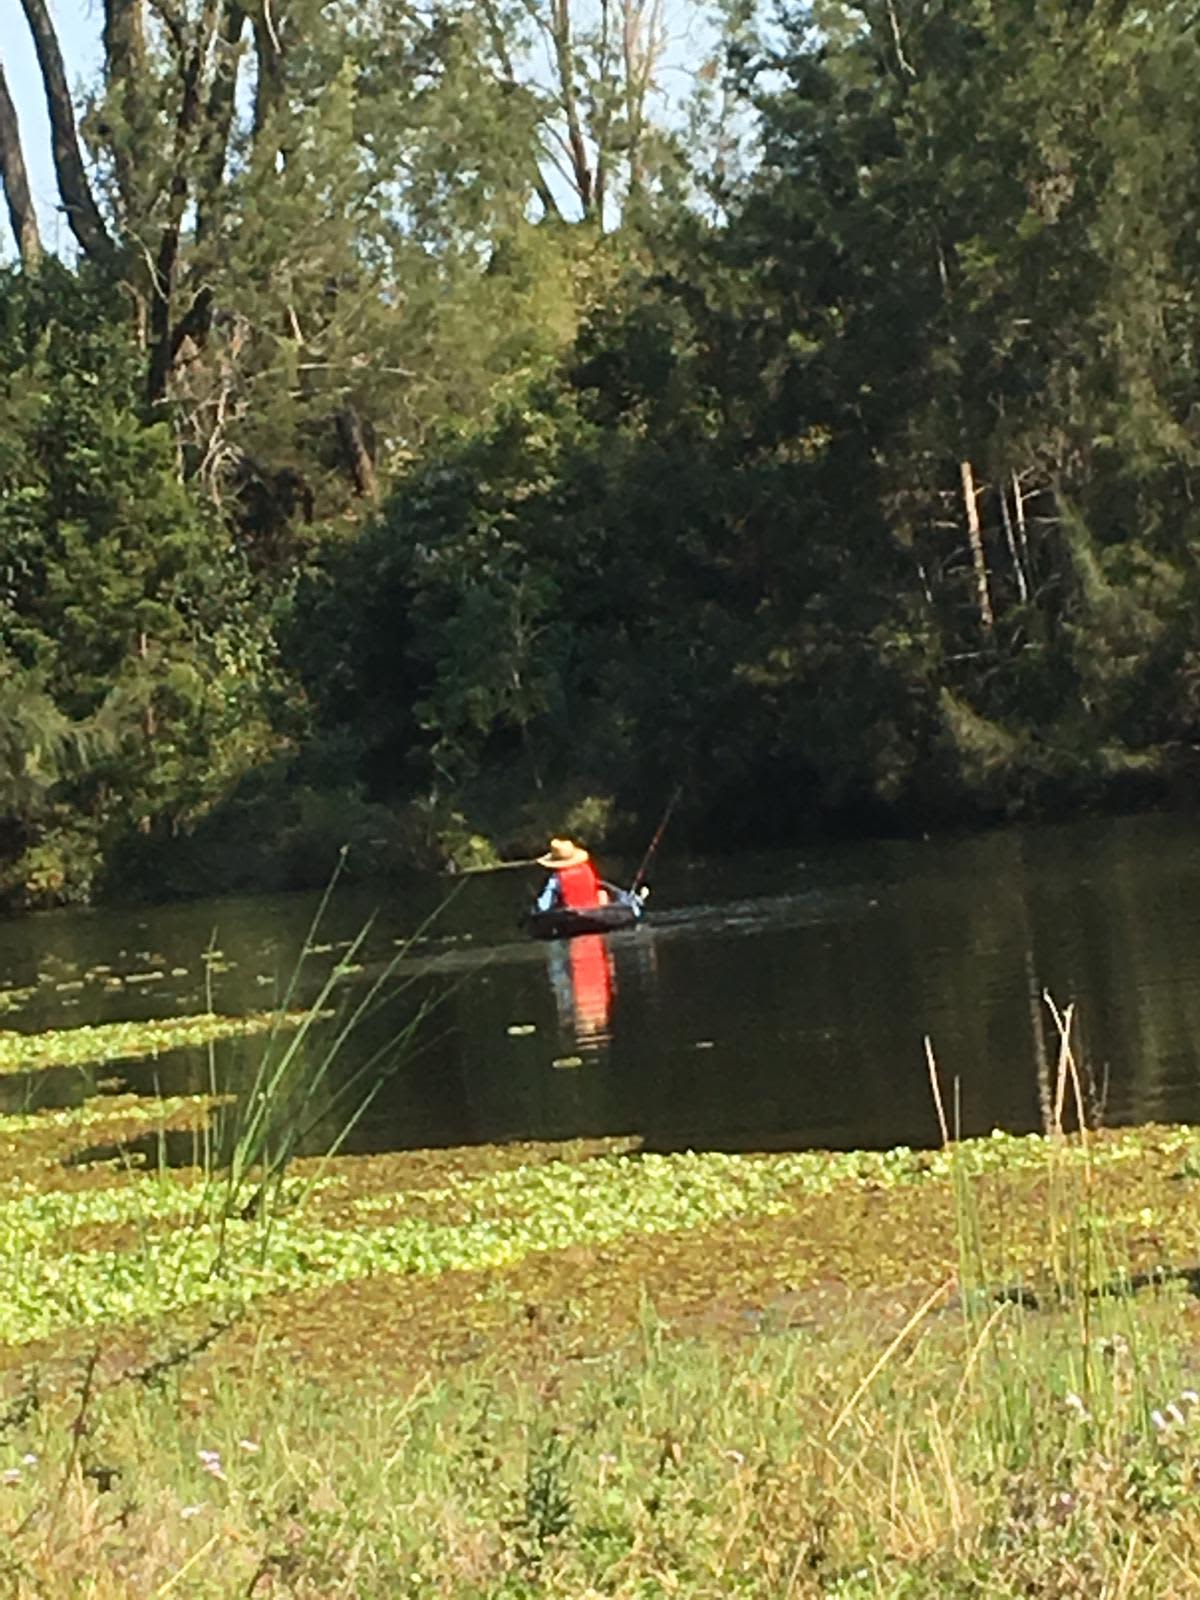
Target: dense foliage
(456,436)
(132,664)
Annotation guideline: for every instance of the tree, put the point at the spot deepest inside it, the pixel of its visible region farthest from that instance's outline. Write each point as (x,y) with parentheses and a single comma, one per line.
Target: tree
(124,632)
(312,210)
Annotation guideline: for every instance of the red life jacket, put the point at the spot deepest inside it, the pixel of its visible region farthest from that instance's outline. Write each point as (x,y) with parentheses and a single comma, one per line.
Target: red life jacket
(580,886)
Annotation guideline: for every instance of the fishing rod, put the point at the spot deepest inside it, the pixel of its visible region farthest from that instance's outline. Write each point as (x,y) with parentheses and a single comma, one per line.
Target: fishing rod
(657,839)
(496,866)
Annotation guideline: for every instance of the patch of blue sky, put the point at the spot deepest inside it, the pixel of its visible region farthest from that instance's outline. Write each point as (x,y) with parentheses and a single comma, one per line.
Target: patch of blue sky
(79,23)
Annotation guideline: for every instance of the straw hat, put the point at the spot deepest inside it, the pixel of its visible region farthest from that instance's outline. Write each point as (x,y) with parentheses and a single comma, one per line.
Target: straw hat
(563,853)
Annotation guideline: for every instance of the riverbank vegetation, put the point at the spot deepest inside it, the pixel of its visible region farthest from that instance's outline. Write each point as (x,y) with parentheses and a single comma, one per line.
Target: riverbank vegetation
(438,427)
(580,1369)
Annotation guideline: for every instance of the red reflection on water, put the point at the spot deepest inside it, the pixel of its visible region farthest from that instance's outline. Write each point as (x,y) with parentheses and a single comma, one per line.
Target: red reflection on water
(591,987)
(581,975)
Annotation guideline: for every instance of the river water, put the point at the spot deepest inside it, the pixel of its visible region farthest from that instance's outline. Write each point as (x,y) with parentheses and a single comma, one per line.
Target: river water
(774,1001)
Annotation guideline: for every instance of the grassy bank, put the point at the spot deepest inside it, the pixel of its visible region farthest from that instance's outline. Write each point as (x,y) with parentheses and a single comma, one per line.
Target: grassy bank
(700,1465)
(573,1370)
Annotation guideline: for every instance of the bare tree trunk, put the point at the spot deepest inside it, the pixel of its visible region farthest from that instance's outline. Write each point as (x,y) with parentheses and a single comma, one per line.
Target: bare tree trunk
(268,89)
(362,467)
(504,56)
(1014,553)
(975,537)
(1041,1060)
(564,58)
(16,181)
(642,41)
(901,60)
(602,109)
(965,471)
(124,72)
(74,190)
(166,261)
(218,118)
(150,718)
(164,340)
(1019,508)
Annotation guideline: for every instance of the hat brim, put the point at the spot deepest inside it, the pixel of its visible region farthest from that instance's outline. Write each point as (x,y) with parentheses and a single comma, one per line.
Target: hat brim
(575,859)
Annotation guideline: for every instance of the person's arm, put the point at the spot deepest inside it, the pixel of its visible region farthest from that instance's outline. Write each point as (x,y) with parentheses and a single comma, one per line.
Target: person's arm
(635,899)
(550,895)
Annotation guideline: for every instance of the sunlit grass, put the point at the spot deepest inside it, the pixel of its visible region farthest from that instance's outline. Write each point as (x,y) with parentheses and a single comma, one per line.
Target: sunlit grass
(690,1467)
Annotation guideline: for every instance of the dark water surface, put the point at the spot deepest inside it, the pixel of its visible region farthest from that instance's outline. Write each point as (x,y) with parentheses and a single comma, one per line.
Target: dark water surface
(770,1002)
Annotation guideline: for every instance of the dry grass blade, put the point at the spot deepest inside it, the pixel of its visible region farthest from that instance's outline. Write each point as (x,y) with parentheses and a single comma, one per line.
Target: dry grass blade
(937,1090)
(984,1334)
(182,1572)
(913,1322)
(1063,1023)
(1069,1068)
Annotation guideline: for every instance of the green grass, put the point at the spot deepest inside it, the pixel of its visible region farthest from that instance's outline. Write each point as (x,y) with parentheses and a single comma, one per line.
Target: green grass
(822,1461)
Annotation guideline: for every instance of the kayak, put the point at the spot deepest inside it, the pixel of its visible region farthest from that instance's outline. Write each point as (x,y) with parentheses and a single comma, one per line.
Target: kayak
(564,922)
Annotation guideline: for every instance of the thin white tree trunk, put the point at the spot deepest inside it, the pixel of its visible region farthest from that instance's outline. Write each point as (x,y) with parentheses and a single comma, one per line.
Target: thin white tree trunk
(1018,567)
(1019,508)
(987,616)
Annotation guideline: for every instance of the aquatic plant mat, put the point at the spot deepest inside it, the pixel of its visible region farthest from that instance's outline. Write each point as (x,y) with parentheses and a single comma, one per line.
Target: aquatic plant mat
(131,1041)
(586,1370)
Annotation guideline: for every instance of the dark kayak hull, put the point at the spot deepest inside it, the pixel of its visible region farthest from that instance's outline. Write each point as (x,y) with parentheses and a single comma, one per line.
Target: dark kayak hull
(565,923)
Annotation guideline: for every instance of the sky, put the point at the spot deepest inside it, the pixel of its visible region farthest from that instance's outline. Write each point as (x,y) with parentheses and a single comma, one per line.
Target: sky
(79,23)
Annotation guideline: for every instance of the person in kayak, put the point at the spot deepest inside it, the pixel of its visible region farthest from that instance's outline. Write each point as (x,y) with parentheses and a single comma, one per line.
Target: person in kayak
(573,882)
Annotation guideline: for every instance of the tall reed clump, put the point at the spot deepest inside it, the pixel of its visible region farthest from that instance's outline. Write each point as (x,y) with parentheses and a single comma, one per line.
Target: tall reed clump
(1063,1379)
(248,1150)
(1076,1266)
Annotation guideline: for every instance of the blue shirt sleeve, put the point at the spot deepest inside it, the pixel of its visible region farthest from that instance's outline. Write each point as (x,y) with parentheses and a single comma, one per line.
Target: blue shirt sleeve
(550,896)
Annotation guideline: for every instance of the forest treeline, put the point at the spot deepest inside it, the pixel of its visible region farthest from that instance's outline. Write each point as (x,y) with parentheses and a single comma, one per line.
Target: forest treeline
(442,425)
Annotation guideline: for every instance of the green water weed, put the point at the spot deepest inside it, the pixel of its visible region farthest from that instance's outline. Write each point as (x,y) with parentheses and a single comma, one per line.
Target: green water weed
(128,1041)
